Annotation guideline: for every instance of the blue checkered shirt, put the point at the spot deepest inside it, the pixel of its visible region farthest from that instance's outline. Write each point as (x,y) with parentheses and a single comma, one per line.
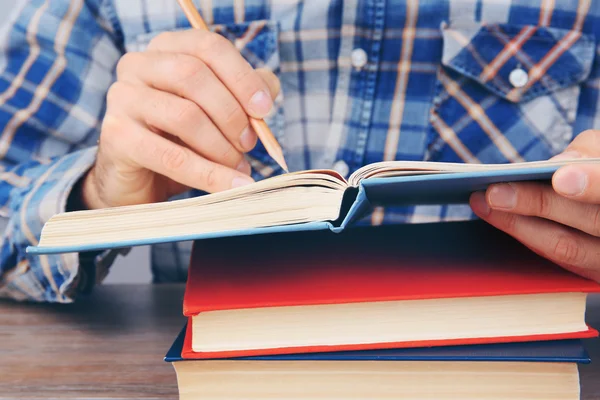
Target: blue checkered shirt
(362,81)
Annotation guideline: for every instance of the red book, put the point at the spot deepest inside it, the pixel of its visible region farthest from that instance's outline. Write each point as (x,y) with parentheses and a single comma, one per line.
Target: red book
(385,287)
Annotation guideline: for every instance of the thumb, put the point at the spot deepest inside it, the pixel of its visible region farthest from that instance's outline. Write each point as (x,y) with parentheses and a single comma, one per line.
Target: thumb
(271,80)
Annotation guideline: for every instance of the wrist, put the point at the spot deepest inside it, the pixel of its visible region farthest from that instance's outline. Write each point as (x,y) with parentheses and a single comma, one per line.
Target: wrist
(84,195)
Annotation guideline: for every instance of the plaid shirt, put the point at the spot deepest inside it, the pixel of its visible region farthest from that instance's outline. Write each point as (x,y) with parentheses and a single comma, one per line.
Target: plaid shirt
(362,81)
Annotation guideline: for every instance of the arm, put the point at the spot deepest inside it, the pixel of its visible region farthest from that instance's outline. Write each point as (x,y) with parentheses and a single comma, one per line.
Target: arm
(56,64)
(176,117)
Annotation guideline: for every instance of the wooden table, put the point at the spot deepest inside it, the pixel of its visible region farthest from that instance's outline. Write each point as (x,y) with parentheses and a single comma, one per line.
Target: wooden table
(111,345)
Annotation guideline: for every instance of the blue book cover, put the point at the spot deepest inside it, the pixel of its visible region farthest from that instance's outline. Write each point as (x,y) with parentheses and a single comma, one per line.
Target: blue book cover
(358,201)
(571,351)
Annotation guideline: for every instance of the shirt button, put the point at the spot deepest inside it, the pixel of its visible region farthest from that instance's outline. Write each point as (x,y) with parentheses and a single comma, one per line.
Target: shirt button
(518,77)
(358,58)
(341,167)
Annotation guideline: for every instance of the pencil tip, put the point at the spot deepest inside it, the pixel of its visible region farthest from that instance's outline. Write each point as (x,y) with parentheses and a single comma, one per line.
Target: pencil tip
(281,161)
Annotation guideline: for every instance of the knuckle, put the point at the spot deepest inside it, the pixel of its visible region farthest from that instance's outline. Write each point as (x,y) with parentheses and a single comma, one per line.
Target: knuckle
(589,134)
(111,126)
(113,93)
(230,153)
(213,42)
(595,220)
(158,41)
(115,135)
(189,71)
(246,74)
(589,139)
(127,61)
(545,203)
(118,93)
(173,158)
(234,115)
(568,250)
(187,114)
(510,222)
(210,176)
(141,147)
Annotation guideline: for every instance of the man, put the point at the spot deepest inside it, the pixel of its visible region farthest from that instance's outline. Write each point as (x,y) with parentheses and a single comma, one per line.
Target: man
(341,84)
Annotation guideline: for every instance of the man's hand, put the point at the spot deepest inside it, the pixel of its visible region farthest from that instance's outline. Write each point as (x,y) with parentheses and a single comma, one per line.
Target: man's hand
(177,118)
(559,222)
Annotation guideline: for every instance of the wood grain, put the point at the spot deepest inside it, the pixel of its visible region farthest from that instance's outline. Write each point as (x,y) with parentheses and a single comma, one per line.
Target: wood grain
(111,344)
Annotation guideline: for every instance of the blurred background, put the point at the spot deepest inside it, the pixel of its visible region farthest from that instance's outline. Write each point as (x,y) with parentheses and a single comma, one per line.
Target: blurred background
(5,7)
(135,268)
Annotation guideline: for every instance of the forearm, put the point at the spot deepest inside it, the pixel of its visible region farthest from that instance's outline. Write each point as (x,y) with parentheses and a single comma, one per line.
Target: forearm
(50,190)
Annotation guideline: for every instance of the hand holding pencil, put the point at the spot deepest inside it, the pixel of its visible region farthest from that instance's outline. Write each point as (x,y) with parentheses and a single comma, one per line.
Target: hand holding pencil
(260,127)
(180,115)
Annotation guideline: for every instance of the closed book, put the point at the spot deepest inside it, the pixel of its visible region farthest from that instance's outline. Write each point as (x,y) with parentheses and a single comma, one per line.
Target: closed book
(536,370)
(377,287)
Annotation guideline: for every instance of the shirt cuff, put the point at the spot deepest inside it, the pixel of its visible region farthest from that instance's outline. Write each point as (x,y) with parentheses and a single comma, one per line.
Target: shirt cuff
(55,277)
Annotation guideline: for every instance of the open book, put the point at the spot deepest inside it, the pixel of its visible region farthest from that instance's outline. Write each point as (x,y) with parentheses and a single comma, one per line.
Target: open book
(306,200)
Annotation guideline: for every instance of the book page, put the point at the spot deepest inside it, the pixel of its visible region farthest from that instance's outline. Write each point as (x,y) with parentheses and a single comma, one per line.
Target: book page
(403,168)
(294,198)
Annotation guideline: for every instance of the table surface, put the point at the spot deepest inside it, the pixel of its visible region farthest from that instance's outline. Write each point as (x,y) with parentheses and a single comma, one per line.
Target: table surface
(111,344)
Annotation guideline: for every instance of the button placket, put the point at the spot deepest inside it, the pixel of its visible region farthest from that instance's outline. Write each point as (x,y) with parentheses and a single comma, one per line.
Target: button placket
(358,58)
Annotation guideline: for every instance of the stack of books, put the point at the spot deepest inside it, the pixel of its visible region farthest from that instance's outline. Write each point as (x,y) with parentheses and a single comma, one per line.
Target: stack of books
(278,306)
(452,310)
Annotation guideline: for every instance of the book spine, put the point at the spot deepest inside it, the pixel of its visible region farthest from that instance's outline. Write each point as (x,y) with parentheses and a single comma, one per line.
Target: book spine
(359,208)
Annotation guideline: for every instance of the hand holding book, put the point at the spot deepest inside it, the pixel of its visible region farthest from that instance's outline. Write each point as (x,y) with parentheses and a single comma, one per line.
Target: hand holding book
(560,222)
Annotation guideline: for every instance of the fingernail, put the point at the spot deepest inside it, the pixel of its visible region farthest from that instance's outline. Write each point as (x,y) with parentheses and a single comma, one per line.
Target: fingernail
(570,181)
(241,181)
(244,167)
(260,104)
(567,155)
(503,196)
(479,205)
(248,139)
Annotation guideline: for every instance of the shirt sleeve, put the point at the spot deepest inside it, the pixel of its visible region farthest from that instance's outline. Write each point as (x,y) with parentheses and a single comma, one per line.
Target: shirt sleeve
(588,115)
(57,61)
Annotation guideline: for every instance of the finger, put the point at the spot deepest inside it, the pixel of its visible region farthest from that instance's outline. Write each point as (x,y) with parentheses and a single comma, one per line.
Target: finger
(569,248)
(190,78)
(225,61)
(169,159)
(578,182)
(271,80)
(534,199)
(586,144)
(182,118)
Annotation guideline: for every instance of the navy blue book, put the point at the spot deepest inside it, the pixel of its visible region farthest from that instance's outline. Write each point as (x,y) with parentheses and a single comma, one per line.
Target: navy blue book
(564,351)
(532,370)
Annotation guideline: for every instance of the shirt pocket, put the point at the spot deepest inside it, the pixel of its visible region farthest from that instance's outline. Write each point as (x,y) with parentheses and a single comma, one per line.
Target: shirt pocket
(257,41)
(507,93)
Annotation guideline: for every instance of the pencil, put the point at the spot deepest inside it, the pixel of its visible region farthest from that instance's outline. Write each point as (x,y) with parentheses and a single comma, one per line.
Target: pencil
(259,125)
